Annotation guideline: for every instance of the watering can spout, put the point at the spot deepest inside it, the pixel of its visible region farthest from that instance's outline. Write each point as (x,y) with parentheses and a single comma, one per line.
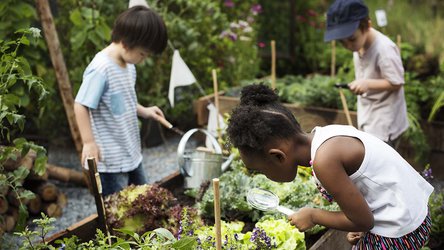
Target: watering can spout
(227,163)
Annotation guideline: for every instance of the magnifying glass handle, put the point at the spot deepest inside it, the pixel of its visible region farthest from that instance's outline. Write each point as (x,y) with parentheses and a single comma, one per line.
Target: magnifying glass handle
(285,210)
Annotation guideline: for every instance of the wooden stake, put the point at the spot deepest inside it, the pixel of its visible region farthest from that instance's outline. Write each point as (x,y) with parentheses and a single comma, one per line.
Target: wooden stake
(96,187)
(273,64)
(217,225)
(216,102)
(345,106)
(341,93)
(398,41)
(333,59)
(58,62)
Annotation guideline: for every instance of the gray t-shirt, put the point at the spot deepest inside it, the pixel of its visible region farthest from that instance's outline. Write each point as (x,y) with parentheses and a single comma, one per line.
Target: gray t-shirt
(108,90)
(381,113)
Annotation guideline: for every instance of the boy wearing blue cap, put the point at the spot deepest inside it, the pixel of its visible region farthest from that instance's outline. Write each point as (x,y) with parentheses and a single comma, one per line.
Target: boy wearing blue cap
(378,67)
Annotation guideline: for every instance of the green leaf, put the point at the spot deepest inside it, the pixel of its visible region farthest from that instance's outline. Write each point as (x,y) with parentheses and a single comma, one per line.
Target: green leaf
(26,194)
(40,165)
(76,17)
(164,233)
(24,40)
(23,216)
(126,231)
(103,31)
(78,39)
(186,243)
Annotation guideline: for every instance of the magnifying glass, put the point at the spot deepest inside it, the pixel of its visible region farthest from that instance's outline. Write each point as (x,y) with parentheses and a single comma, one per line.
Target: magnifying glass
(265,200)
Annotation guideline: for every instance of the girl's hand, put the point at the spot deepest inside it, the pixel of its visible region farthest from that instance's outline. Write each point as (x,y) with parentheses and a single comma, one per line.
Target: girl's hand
(354,237)
(90,150)
(302,219)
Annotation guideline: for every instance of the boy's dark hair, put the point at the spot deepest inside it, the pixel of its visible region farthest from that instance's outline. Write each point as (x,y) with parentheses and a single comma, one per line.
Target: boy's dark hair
(259,118)
(140,26)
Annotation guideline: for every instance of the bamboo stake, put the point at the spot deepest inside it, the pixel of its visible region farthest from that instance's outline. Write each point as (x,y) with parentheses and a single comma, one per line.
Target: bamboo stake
(61,71)
(216,101)
(333,59)
(273,64)
(398,41)
(341,93)
(217,224)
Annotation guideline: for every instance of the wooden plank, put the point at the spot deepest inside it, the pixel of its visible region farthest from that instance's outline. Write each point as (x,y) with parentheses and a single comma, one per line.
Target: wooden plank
(96,188)
(85,230)
(308,117)
(332,239)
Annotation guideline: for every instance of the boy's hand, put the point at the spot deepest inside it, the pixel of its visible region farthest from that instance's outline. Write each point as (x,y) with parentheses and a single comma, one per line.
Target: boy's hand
(153,112)
(302,219)
(354,237)
(359,87)
(90,150)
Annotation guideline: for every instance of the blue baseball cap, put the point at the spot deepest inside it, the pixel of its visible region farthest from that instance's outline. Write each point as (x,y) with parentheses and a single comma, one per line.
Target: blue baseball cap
(343,18)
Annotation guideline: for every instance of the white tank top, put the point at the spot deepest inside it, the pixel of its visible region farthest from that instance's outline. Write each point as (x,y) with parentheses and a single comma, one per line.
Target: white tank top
(396,194)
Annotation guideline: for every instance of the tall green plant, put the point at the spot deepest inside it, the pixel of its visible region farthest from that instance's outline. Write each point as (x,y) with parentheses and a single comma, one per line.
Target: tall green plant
(16,82)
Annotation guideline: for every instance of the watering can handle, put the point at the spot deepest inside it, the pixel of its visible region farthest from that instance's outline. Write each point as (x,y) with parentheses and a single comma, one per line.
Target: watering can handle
(184,140)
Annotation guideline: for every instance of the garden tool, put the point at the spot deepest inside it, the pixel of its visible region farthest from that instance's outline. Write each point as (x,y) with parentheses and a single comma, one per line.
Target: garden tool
(170,126)
(341,86)
(265,200)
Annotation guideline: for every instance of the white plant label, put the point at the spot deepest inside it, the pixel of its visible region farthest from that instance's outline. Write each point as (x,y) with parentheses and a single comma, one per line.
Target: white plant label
(381,18)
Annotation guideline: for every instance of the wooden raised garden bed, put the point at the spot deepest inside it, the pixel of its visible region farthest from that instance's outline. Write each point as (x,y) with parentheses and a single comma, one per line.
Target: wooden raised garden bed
(309,117)
(86,229)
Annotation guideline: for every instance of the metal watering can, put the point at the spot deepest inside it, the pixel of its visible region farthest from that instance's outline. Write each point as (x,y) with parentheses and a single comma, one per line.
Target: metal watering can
(199,166)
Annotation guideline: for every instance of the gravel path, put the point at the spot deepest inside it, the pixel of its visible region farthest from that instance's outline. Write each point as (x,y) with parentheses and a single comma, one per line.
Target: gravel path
(158,161)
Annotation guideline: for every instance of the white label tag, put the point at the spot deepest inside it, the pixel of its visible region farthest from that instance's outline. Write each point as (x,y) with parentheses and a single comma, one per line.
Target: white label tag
(381,18)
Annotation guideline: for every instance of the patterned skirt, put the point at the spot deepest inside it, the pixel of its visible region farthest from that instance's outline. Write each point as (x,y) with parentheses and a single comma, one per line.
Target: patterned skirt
(414,240)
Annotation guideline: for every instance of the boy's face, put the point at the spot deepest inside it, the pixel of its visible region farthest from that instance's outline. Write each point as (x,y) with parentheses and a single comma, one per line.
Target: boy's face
(135,55)
(356,41)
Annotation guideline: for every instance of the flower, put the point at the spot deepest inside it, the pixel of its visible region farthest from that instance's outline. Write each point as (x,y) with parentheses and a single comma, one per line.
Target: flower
(311,12)
(256,9)
(229,3)
(35,32)
(261,44)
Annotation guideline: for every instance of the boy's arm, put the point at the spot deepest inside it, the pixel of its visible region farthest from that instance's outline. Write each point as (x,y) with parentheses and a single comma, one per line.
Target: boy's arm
(362,86)
(90,148)
(152,112)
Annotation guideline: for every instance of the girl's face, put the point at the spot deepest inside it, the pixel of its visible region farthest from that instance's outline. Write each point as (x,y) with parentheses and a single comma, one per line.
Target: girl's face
(278,164)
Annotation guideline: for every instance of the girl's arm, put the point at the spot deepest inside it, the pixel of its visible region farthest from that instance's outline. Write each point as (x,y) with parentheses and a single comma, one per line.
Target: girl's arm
(335,160)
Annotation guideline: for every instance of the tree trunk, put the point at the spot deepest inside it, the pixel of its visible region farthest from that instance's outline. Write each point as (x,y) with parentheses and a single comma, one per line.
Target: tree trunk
(59,65)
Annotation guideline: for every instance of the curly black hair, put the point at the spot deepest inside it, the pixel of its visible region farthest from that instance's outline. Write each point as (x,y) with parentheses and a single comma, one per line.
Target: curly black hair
(259,118)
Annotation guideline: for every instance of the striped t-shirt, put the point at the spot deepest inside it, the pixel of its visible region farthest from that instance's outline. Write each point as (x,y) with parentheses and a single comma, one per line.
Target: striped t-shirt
(108,90)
